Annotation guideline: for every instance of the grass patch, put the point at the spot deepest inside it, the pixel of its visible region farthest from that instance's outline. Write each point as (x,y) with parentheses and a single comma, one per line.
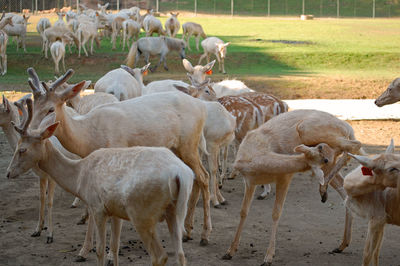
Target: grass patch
(278,50)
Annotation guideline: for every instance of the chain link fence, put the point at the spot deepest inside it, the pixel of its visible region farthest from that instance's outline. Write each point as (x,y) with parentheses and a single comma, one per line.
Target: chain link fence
(318,8)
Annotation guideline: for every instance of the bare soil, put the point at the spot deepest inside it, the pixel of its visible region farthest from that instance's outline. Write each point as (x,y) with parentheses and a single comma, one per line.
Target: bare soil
(308,229)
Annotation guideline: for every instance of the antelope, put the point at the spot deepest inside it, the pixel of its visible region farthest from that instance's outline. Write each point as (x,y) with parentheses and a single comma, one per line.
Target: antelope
(8,114)
(192,29)
(116,183)
(281,137)
(373,191)
(214,45)
(124,83)
(181,131)
(172,25)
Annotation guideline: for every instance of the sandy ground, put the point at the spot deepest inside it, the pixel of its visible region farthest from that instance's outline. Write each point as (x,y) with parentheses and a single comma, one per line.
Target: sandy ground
(308,228)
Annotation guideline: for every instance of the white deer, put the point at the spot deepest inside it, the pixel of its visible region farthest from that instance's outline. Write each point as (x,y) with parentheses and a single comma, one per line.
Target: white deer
(192,29)
(8,114)
(57,50)
(122,125)
(141,184)
(172,25)
(214,45)
(42,25)
(374,193)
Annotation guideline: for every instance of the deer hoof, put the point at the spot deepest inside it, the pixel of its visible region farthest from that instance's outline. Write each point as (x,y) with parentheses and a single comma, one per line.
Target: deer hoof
(35,234)
(261,197)
(80,259)
(218,206)
(225,202)
(81,221)
(203,242)
(266,264)
(337,250)
(110,263)
(49,240)
(227,256)
(186,238)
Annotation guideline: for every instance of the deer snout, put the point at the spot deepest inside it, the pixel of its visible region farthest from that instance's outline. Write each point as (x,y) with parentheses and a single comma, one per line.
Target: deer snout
(324,197)
(326,160)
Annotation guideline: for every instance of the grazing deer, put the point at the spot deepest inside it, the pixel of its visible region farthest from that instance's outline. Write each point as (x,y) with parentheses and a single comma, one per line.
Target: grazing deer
(144,185)
(192,29)
(276,163)
(182,116)
(172,25)
(152,25)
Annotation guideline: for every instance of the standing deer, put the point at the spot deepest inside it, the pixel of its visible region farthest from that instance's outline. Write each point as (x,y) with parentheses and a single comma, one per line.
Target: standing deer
(172,25)
(214,45)
(192,29)
(144,185)
(123,124)
(374,193)
(282,138)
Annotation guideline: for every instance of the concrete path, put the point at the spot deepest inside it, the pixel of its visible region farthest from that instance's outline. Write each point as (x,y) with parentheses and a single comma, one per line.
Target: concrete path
(349,109)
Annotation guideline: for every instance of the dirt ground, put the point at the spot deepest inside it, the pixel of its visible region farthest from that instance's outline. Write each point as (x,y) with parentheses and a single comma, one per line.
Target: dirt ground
(308,229)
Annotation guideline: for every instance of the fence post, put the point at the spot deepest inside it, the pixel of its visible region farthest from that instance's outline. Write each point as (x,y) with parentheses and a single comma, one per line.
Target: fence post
(36,7)
(195,7)
(77,6)
(269,8)
(231,8)
(157,6)
(303,8)
(373,8)
(338,8)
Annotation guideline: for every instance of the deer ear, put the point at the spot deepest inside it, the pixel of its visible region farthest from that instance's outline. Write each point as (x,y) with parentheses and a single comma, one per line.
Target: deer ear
(143,70)
(6,104)
(226,44)
(73,90)
(188,66)
(390,148)
(182,89)
(209,66)
(49,131)
(364,160)
(302,149)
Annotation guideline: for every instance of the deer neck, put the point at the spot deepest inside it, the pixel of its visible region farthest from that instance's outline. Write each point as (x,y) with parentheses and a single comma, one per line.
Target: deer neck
(9,131)
(72,132)
(64,171)
(276,163)
(3,23)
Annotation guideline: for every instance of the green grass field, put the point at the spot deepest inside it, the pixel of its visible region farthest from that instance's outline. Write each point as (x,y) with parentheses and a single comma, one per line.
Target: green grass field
(261,49)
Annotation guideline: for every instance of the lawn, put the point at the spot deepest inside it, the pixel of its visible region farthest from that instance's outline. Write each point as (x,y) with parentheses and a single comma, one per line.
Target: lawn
(291,58)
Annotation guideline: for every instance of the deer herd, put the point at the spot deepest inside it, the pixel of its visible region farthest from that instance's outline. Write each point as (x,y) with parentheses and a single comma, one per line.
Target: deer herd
(134,152)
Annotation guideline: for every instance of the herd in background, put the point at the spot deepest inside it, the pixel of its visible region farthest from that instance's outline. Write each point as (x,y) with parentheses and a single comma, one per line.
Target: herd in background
(89,26)
(112,149)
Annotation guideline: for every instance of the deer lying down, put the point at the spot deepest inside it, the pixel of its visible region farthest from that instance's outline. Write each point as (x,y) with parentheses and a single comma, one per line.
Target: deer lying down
(372,194)
(278,160)
(141,184)
(8,114)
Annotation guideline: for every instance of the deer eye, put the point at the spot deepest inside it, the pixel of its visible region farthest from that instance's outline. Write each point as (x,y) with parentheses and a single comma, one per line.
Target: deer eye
(393,169)
(21,151)
(208,92)
(50,110)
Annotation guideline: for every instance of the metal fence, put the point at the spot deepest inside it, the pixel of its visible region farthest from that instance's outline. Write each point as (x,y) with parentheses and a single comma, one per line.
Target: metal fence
(318,8)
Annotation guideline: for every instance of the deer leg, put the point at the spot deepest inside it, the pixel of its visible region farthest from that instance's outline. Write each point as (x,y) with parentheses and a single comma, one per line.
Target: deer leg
(91,46)
(375,229)
(189,219)
(116,225)
(378,246)
(197,42)
(282,186)
(188,41)
(51,185)
(63,62)
(337,184)
(224,165)
(176,235)
(219,62)
(39,227)
(100,220)
(213,165)
(202,57)
(88,244)
(247,199)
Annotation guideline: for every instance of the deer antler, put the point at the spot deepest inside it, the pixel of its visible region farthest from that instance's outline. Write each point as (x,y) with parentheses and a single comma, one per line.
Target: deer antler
(61,80)
(34,81)
(26,115)
(3,15)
